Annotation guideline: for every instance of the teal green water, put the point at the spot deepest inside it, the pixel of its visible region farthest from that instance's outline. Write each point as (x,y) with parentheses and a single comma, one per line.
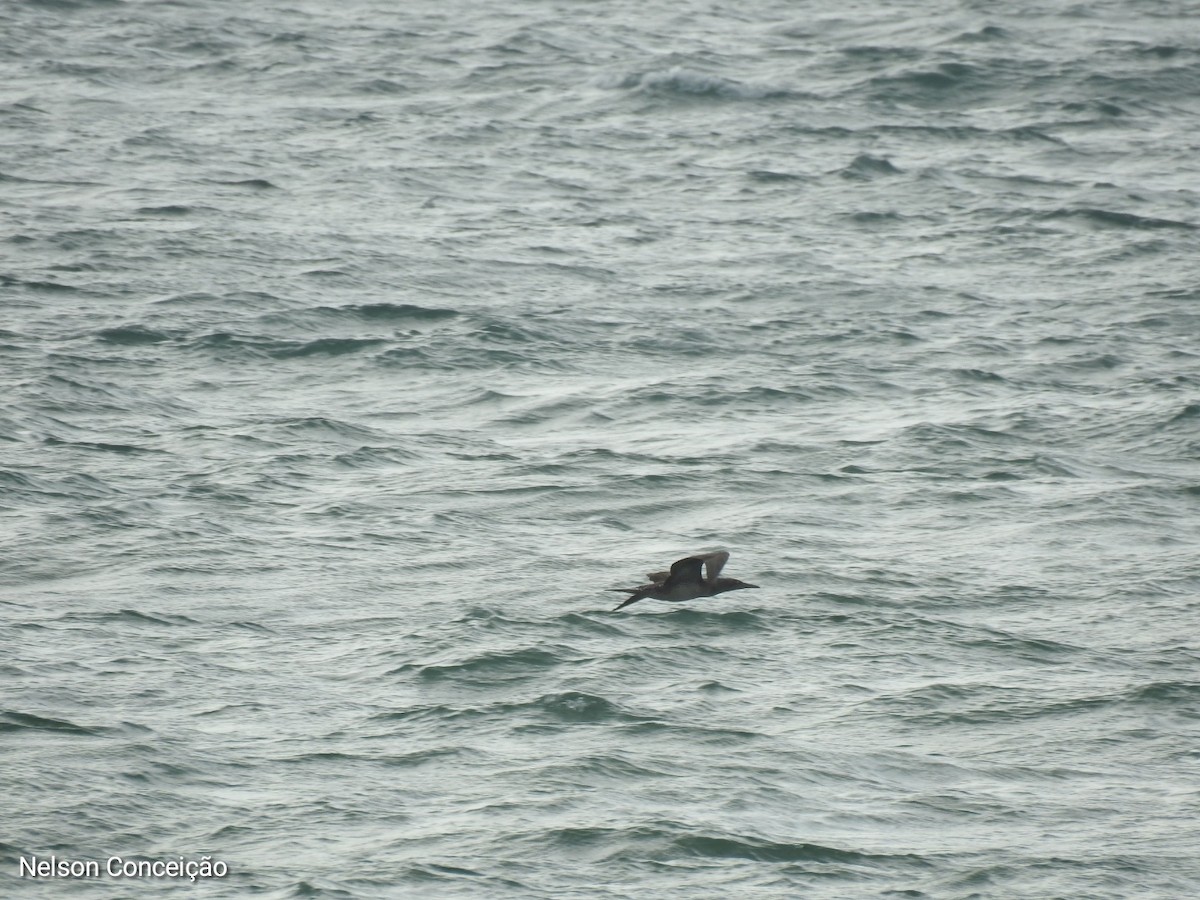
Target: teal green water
(351,356)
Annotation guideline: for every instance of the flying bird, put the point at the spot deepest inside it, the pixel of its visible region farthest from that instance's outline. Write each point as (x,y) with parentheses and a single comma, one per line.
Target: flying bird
(689,578)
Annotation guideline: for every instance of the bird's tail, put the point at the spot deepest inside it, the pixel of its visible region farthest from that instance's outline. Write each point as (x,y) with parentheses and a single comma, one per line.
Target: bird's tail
(634,596)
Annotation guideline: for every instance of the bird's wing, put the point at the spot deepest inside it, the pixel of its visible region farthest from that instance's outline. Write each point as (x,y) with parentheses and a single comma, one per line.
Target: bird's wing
(658,577)
(685,571)
(714,563)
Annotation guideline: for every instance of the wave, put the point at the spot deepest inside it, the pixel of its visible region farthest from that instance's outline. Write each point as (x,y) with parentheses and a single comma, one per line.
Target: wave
(865,167)
(391,312)
(13,721)
(725,847)
(131,335)
(323,347)
(1107,217)
(946,704)
(507,665)
(680,81)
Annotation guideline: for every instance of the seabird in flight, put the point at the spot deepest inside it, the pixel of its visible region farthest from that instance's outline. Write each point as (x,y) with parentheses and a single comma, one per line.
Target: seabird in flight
(685,581)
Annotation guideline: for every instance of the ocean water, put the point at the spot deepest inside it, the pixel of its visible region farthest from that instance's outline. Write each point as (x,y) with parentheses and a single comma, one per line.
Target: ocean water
(351,353)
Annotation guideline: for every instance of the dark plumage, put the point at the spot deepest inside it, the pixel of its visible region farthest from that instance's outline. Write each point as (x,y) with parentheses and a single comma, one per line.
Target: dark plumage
(689,578)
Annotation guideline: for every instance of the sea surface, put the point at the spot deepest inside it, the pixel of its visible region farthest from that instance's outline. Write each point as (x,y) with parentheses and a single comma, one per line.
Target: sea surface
(351,353)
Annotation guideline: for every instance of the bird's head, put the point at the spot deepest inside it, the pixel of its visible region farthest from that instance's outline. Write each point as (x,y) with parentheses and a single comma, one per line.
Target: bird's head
(732,584)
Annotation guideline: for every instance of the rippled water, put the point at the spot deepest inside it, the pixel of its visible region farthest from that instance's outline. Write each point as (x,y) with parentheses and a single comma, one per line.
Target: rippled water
(351,354)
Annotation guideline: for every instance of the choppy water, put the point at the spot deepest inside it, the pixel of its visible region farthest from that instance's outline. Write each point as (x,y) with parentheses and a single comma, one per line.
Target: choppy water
(351,352)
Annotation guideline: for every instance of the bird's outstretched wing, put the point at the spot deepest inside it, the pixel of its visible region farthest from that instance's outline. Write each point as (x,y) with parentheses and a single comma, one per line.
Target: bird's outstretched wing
(714,563)
(685,571)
